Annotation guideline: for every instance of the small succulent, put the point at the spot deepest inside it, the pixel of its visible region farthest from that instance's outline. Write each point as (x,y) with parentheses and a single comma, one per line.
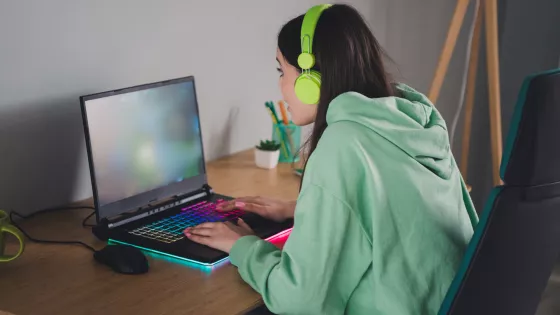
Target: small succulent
(268,145)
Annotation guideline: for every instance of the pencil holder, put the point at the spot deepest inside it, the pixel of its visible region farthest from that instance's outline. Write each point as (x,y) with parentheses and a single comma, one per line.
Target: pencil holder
(289,137)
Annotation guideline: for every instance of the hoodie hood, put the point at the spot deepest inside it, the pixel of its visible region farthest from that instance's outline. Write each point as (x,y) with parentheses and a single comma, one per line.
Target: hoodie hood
(409,121)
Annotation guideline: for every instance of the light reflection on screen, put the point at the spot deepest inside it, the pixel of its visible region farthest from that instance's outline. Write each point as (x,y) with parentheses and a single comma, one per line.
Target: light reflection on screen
(144,140)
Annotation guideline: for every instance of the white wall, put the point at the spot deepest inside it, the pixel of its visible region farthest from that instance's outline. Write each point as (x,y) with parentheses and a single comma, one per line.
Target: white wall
(54,51)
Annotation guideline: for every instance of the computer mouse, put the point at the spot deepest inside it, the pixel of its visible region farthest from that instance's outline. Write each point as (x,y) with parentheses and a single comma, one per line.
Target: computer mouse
(123,259)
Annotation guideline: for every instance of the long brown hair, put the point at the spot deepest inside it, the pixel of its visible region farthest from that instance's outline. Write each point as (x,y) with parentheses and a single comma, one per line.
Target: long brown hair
(347,55)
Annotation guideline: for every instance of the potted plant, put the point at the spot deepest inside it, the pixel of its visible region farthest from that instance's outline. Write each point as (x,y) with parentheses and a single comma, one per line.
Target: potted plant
(267,154)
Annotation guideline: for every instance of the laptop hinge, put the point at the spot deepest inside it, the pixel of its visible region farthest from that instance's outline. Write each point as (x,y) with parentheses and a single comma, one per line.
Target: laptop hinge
(167,204)
(208,189)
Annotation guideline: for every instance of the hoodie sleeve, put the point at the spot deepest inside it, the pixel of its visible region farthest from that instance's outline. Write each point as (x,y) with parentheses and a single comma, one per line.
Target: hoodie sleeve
(321,264)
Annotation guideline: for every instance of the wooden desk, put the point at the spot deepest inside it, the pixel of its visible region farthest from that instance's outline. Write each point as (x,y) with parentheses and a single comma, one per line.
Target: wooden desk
(56,279)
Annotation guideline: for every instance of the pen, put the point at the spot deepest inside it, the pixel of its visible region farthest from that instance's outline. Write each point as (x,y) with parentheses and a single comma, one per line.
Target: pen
(275,122)
(270,105)
(287,123)
(283,112)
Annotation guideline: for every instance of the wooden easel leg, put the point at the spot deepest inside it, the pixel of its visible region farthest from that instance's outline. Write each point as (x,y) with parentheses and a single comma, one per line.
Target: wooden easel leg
(491,23)
(448,47)
(471,86)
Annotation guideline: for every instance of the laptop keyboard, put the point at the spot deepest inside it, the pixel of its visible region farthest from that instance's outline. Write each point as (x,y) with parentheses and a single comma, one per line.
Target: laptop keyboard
(170,229)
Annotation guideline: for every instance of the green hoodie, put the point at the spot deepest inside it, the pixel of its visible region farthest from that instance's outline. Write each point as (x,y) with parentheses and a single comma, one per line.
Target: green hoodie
(382,220)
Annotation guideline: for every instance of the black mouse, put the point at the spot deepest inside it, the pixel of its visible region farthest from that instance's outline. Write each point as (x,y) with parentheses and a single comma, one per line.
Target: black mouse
(123,259)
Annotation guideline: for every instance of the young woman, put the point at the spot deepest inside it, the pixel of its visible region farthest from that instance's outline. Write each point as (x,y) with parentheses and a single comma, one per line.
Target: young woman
(383,216)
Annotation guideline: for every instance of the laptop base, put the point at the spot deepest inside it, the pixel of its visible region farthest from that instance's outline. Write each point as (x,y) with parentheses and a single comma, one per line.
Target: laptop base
(187,250)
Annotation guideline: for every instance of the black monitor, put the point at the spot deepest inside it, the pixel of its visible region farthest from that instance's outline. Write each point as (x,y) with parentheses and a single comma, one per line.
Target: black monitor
(144,144)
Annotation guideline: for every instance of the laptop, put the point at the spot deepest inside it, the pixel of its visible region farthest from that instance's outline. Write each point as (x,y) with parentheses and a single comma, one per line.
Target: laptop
(148,171)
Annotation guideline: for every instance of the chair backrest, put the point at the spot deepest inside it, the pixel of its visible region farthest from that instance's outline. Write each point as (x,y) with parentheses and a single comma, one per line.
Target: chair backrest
(517,240)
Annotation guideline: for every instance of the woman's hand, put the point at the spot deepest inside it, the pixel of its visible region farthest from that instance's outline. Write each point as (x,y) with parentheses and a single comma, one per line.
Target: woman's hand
(218,235)
(269,208)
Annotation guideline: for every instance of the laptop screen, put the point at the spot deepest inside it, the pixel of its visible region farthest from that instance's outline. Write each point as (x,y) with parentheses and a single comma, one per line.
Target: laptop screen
(143,139)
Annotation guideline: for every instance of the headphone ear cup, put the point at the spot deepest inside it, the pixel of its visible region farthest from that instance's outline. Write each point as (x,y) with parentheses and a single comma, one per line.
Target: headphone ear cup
(308,87)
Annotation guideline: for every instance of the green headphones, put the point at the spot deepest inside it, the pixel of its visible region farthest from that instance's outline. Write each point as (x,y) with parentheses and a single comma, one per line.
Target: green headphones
(308,84)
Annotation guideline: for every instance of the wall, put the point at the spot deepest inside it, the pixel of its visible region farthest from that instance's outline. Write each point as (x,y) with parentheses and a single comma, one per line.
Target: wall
(414,34)
(529,43)
(54,51)
(51,53)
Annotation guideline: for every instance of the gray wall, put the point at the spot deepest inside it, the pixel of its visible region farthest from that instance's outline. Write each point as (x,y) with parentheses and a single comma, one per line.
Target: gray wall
(414,33)
(529,43)
(54,51)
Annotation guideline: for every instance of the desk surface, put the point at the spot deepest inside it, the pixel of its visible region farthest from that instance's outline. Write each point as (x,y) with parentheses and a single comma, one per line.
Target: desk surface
(56,279)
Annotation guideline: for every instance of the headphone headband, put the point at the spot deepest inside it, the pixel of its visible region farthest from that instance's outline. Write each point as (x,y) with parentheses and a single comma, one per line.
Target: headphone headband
(307,60)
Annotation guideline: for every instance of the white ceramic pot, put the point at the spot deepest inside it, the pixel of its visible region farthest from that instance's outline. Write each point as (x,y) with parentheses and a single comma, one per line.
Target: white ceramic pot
(266,159)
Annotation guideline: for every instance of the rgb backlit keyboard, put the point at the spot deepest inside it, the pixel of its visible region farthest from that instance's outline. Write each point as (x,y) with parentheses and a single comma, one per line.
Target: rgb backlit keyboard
(171,229)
